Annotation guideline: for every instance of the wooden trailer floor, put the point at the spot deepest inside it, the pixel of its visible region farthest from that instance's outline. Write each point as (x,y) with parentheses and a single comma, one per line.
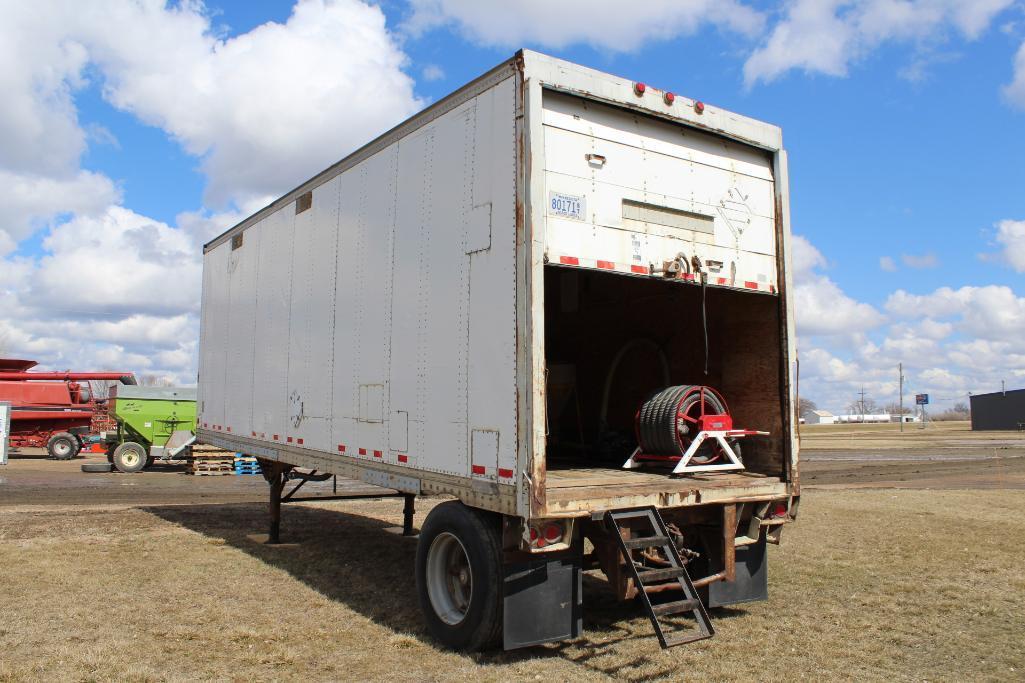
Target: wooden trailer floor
(575,489)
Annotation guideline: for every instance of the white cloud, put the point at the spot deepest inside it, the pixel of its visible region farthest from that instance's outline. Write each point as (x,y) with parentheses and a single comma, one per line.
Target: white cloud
(293,97)
(888,264)
(30,202)
(1015,90)
(432,72)
(928,260)
(827,36)
(821,306)
(608,24)
(950,341)
(262,111)
(1011,237)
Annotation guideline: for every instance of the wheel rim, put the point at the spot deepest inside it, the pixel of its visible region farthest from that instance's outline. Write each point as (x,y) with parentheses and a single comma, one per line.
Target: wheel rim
(61,447)
(449,578)
(130,457)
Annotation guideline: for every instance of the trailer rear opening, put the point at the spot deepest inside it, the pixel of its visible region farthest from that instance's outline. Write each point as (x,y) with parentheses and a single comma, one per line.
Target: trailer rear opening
(560,300)
(611,340)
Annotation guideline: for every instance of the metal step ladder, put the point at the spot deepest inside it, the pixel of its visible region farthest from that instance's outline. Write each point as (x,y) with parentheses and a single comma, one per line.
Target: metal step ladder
(647,530)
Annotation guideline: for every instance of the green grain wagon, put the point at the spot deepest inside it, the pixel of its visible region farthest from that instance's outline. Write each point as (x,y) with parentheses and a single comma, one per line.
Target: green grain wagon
(147,417)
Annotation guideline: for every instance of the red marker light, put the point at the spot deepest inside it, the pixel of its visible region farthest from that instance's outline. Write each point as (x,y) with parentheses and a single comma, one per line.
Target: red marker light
(669,98)
(639,88)
(699,107)
(553,532)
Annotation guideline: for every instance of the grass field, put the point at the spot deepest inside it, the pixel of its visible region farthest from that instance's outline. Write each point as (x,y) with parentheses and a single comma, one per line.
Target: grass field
(869,584)
(933,436)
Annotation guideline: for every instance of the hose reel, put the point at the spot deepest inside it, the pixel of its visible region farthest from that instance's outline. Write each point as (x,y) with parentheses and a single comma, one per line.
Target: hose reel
(689,427)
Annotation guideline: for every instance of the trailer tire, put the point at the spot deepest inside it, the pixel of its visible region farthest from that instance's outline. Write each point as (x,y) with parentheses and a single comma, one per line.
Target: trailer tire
(130,457)
(62,446)
(458,576)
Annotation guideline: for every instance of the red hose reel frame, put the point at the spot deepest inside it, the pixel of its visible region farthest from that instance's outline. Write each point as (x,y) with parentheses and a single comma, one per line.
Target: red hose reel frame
(716,426)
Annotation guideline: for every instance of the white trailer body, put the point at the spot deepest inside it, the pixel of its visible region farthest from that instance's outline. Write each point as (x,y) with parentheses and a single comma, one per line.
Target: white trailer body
(405,316)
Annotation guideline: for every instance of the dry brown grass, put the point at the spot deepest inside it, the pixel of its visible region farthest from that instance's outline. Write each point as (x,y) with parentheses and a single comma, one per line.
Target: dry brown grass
(867,585)
(935,435)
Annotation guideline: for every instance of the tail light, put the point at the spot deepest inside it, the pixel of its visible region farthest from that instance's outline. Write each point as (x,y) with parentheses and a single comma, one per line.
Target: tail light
(779,509)
(543,534)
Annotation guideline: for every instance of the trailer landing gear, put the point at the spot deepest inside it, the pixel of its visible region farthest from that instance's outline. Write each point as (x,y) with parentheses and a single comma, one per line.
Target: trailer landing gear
(279,474)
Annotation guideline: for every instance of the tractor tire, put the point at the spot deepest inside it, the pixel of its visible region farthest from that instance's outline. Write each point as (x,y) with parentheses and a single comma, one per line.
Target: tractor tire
(130,457)
(62,446)
(459,576)
(97,467)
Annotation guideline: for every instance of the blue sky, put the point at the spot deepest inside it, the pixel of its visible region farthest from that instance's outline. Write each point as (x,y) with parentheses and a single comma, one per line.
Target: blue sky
(903,119)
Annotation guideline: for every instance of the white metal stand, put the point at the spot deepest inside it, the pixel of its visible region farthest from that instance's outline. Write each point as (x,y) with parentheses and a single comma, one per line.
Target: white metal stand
(684,466)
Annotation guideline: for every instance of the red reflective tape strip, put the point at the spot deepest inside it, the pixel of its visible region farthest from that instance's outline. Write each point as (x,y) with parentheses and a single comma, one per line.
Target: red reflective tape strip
(688,276)
(751,285)
(289,439)
(300,442)
(403,458)
(607,265)
(721,281)
(569,260)
(229,429)
(378,454)
(362,451)
(275,437)
(254,434)
(341,448)
(504,473)
(478,469)
(639,269)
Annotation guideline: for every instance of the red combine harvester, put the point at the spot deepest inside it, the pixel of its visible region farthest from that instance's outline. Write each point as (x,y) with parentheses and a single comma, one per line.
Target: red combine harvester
(50,409)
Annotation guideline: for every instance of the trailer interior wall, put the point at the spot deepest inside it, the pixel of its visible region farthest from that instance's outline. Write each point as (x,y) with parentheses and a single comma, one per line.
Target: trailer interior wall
(374,319)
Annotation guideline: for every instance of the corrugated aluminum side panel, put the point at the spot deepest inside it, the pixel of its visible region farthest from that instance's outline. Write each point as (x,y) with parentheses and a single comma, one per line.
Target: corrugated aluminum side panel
(492,283)
(359,312)
(274,299)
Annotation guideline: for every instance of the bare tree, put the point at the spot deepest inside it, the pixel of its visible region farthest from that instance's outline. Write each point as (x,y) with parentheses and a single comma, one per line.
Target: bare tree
(154,381)
(960,411)
(805,406)
(897,409)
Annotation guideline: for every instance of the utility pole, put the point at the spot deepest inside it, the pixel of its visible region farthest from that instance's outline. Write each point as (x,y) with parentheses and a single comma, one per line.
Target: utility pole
(862,393)
(900,401)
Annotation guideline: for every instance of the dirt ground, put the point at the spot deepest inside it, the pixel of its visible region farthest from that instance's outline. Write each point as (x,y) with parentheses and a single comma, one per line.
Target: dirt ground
(902,566)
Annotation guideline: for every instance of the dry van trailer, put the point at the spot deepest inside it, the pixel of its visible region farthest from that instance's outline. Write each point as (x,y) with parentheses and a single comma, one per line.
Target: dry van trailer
(560,297)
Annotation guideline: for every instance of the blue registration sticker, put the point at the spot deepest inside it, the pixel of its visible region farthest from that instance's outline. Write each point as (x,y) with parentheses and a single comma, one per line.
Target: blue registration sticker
(566,205)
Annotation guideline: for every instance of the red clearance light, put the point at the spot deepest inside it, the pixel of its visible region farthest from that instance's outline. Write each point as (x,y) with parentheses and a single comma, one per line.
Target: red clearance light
(639,88)
(553,532)
(669,98)
(699,107)
(780,510)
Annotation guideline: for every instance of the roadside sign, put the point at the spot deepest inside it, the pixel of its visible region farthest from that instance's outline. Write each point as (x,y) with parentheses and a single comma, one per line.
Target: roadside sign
(5,430)
(922,399)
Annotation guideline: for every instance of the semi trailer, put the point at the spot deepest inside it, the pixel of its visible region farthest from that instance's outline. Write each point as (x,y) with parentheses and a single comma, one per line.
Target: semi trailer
(560,299)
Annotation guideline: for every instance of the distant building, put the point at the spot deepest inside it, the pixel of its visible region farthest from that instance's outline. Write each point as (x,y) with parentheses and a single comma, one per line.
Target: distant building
(999,410)
(878,417)
(821,417)
(908,417)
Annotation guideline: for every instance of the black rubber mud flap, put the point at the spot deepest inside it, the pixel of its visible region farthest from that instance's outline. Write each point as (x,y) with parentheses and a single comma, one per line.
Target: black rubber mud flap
(752,582)
(542,602)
